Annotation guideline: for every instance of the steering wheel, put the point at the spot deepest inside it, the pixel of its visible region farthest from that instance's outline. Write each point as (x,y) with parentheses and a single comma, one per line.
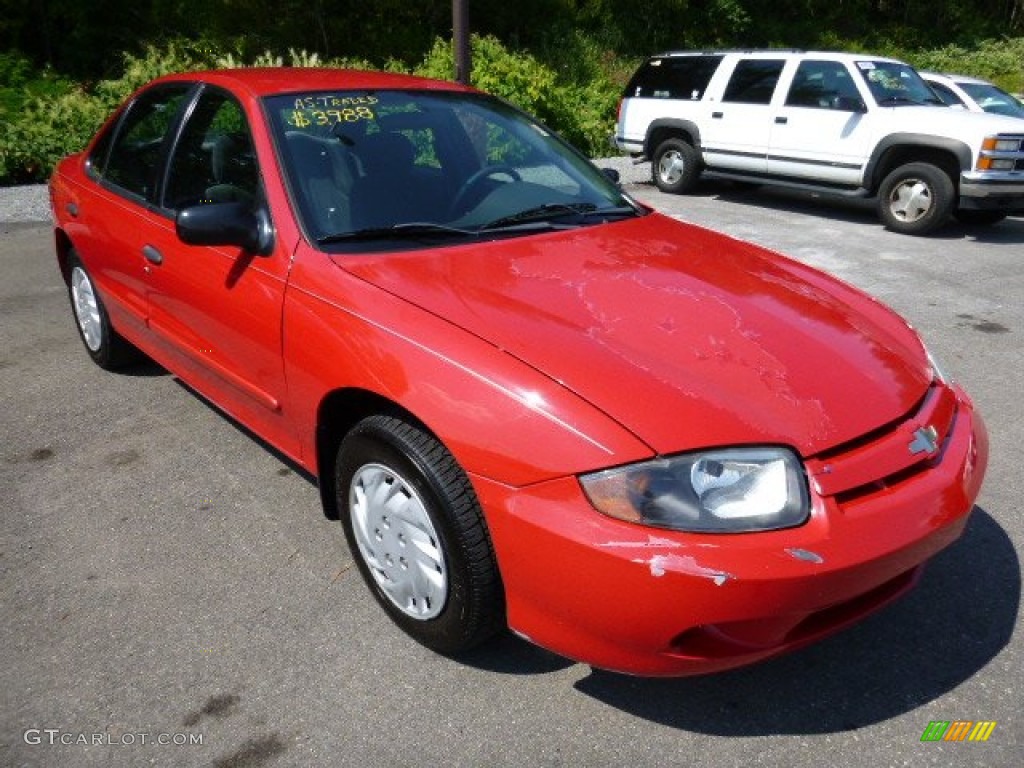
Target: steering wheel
(469,186)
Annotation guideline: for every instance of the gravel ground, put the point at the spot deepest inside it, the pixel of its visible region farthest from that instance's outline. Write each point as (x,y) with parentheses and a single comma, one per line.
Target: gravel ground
(31,203)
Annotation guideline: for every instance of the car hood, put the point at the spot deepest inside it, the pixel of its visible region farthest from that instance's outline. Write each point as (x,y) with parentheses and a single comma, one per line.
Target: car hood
(686,337)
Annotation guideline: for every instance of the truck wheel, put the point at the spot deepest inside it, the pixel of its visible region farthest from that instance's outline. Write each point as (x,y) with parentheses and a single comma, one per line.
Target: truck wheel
(675,167)
(915,199)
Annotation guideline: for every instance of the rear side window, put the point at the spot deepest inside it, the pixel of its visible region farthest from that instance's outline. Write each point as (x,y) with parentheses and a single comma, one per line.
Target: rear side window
(753,81)
(673,77)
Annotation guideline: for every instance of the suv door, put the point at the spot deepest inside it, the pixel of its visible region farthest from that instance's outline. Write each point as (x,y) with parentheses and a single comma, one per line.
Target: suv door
(738,131)
(822,130)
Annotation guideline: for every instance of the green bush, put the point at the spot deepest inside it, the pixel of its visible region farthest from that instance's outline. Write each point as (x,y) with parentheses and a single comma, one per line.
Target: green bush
(572,83)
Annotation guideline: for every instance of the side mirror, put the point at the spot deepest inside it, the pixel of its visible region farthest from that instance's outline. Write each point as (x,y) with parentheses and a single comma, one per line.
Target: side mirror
(850,104)
(612,175)
(234,223)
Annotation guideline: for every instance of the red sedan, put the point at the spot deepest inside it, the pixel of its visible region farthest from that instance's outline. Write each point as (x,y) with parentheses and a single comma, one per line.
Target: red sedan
(531,401)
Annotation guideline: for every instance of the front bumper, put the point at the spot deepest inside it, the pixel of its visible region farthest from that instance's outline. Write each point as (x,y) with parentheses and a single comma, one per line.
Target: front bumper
(992,191)
(643,601)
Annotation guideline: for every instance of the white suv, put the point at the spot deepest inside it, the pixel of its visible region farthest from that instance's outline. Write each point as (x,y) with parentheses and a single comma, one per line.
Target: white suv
(973,94)
(841,123)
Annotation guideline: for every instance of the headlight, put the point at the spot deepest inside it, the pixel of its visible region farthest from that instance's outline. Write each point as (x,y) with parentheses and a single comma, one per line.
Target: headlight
(720,491)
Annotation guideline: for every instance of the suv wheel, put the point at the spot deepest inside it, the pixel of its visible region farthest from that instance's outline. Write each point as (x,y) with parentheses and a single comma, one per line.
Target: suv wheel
(675,167)
(916,199)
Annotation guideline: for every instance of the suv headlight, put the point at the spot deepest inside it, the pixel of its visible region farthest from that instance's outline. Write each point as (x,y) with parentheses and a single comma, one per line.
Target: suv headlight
(731,490)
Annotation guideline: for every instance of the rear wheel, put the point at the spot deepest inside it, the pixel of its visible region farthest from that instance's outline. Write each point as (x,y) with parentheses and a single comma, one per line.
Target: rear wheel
(106,348)
(676,166)
(418,535)
(915,199)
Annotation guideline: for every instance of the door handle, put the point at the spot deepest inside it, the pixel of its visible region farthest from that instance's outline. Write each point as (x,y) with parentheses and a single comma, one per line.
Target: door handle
(717,115)
(781,120)
(153,256)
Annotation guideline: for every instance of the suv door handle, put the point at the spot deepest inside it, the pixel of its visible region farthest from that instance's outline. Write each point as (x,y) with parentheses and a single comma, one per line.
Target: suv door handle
(717,115)
(781,120)
(153,256)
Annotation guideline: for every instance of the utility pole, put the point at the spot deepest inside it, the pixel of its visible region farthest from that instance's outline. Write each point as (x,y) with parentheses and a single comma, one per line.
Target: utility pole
(460,33)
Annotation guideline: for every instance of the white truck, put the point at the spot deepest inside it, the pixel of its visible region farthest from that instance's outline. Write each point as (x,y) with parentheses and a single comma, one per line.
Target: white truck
(840,123)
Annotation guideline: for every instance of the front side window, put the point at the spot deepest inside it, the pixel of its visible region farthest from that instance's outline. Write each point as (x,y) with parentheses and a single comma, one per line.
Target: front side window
(214,160)
(946,94)
(428,167)
(753,81)
(823,85)
(135,156)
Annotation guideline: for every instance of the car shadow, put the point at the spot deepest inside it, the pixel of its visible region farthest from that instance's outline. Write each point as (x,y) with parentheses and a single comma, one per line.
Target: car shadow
(838,208)
(958,619)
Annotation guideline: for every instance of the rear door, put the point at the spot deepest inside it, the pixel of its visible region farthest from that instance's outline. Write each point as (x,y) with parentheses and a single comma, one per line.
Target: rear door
(738,131)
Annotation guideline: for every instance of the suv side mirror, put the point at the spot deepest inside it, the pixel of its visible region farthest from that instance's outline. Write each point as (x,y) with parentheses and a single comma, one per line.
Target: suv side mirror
(233,223)
(850,104)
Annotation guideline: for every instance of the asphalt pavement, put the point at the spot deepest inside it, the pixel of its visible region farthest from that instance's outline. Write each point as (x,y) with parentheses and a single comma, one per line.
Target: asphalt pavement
(165,577)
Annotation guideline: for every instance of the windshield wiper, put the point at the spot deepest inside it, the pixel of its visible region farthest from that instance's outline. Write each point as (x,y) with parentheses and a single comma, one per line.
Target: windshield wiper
(411,230)
(550,211)
(894,100)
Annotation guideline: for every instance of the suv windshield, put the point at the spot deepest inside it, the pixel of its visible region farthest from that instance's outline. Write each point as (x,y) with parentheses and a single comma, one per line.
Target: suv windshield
(424,167)
(894,84)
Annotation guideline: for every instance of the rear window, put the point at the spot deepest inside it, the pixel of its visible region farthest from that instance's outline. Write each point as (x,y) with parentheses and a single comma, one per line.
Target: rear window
(673,77)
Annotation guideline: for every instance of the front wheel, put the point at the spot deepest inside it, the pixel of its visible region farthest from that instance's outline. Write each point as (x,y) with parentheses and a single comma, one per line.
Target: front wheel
(916,198)
(104,345)
(676,166)
(418,535)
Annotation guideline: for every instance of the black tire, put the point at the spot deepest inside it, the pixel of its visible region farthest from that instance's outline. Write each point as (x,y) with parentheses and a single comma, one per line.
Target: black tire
(978,218)
(386,457)
(104,345)
(675,166)
(916,199)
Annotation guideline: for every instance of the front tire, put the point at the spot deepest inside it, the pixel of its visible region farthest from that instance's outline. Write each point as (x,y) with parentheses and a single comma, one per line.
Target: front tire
(104,345)
(915,199)
(418,535)
(676,166)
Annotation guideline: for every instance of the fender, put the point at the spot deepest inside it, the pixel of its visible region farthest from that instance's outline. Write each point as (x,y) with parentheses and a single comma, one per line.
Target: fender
(913,142)
(675,126)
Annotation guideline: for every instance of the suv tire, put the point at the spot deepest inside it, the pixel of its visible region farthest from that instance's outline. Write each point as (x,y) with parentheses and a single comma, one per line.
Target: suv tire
(676,166)
(915,199)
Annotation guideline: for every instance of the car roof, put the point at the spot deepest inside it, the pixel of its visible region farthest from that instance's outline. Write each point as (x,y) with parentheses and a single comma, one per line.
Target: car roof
(267,81)
(940,76)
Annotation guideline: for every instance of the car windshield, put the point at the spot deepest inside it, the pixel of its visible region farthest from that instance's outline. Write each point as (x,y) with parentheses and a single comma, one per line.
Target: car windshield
(993,99)
(893,84)
(429,167)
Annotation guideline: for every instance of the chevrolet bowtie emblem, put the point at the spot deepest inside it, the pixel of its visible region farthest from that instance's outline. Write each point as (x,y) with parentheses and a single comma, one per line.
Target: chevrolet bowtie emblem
(926,440)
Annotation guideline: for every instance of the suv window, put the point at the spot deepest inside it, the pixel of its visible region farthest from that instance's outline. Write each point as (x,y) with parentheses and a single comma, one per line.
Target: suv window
(136,153)
(753,81)
(946,94)
(673,77)
(214,159)
(822,85)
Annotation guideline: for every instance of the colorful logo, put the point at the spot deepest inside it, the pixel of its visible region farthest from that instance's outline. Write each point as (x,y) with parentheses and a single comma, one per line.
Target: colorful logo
(958,730)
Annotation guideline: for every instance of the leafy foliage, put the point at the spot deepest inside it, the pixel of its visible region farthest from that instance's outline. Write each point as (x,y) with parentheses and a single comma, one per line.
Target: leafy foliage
(568,70)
